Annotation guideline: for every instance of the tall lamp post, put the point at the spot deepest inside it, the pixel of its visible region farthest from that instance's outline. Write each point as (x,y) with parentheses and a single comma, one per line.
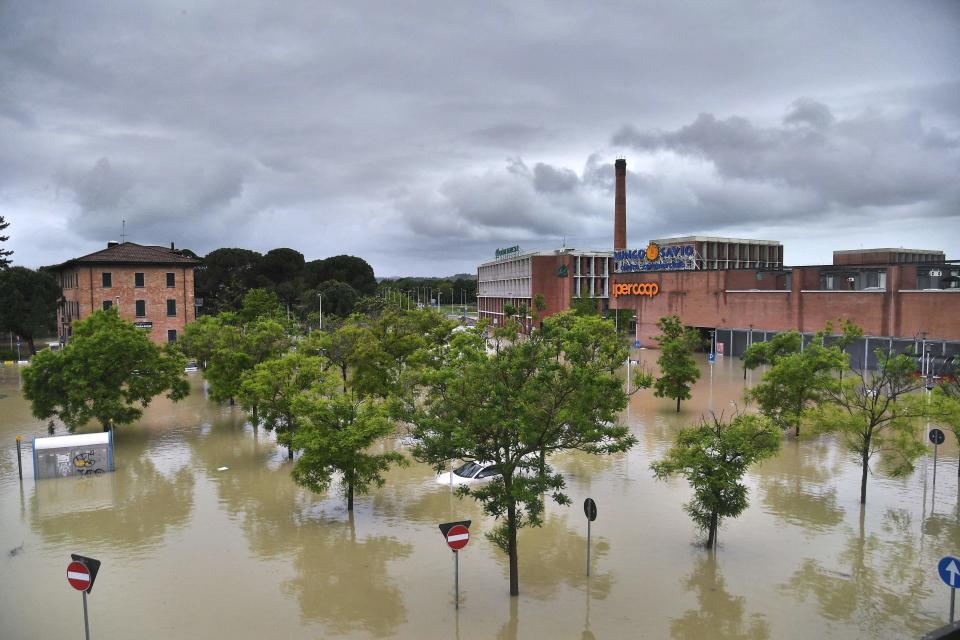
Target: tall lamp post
(320,296)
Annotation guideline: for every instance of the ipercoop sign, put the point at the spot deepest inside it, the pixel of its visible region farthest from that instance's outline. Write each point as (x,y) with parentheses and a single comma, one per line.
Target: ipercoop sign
(649,289)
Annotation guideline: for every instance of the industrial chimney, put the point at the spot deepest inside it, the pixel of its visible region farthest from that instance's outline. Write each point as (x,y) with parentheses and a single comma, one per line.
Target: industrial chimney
(620,206)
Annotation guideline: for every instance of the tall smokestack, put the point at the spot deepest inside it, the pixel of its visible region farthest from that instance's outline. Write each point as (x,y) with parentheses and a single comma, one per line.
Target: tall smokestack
(620,206)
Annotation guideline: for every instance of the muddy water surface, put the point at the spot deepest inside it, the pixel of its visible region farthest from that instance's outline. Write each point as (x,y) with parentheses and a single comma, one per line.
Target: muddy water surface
(190,551)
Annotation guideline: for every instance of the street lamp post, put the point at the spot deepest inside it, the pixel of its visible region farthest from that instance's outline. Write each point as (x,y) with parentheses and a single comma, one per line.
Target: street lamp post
(320,296)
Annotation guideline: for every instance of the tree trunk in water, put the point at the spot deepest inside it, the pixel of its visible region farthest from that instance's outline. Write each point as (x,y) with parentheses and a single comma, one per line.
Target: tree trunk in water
(33,349)
(712,534)
(512,550)
(350,497)
(290,452)
(863,476)
(678,404)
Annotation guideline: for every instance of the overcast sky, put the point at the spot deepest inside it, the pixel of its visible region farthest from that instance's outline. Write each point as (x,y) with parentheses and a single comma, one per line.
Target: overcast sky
(422,136)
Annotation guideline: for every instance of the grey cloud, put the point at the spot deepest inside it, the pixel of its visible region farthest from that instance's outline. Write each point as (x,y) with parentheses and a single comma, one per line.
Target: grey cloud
(550,179)
(330,127)
(871,158)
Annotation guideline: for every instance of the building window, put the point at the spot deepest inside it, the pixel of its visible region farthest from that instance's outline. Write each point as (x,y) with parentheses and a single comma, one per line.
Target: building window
(107,280)
(171,280)
(171,335)
(171,308)
(141,308)
(107,304)
(138,280)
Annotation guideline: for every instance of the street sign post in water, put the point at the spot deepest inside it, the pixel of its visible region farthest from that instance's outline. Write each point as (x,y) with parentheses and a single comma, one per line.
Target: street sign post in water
(949,570)
(457,535)
(81,574)
(589,510)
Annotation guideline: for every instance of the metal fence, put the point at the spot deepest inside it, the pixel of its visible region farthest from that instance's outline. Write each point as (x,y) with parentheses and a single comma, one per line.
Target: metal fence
(944,355)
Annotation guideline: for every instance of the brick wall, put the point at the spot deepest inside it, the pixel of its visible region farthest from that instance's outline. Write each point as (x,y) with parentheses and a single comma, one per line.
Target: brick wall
(90,294)
(723,299)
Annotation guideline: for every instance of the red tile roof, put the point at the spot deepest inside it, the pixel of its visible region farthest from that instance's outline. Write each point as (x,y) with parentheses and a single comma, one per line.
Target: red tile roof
(131,253)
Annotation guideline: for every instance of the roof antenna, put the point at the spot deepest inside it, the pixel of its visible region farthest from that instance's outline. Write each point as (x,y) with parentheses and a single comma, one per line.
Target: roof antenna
(123,231)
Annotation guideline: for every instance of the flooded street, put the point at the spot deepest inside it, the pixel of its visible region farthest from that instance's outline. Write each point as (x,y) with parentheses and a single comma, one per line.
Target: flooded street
(190,551)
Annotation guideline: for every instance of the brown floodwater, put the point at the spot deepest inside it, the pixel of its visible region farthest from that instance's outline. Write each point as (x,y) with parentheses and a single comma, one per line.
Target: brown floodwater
(190,551)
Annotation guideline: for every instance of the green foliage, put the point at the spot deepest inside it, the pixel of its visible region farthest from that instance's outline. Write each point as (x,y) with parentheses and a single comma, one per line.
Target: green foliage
(230,347)
(554,391)
(678,369)
(225,276)
(350,270)
(338,298)
(343,347)
(335,433)
(796,380)
(28,302)
(945,409)
(270,389)
(584,305)
(281,265)
(713,458)
(782,344)
(109,371)
(4,253)
(876,412)
(398,340)
(259,303)
(201,338)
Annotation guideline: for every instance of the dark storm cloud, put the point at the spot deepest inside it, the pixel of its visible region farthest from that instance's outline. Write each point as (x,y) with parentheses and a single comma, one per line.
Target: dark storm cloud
(381,130)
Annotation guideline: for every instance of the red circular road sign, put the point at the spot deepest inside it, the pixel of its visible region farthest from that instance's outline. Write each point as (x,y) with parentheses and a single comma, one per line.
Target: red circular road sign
(78,576)
(458,537)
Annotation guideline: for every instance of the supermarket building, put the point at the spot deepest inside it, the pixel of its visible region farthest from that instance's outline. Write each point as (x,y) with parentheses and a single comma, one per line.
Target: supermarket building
(736,290)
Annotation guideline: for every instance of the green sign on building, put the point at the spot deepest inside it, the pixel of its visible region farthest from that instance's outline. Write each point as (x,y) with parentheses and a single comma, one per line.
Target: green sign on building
(509,251)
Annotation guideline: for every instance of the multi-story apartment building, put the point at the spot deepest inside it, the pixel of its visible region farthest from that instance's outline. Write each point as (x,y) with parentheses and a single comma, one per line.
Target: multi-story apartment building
(151,286)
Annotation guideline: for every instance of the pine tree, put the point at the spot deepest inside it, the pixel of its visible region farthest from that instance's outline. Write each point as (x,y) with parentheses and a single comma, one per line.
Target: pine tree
(4,253)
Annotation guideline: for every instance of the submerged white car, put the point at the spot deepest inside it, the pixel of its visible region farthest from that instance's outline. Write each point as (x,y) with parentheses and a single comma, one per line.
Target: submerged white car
(469,473)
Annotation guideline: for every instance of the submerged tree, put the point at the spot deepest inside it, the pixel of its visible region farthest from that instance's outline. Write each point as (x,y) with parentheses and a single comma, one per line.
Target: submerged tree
(678,369)
(713,458)
(876,412)
(109,371)
(554,391)
(335,433)
(946,406)
(796,379)
(270,389)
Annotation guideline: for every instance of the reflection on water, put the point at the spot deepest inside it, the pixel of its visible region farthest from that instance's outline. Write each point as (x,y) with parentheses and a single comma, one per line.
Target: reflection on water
(204,534)
(871,579)
(718,614)
(344,581)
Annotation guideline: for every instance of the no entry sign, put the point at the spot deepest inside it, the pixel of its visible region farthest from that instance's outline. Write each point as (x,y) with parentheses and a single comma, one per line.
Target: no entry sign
(457,534)
(78,576)
(457,537)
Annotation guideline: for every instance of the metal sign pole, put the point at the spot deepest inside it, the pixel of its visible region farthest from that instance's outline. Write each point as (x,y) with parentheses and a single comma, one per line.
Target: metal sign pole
(86,622)
(19,462)
(953,596)
(588,547)
(456,579)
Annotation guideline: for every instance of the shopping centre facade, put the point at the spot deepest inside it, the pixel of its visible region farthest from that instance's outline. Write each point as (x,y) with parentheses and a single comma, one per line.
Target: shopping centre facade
(739,290)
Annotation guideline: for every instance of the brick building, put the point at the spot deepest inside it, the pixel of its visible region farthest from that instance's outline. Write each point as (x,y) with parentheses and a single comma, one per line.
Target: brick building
(151,286)
(515,279)
(738,290)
